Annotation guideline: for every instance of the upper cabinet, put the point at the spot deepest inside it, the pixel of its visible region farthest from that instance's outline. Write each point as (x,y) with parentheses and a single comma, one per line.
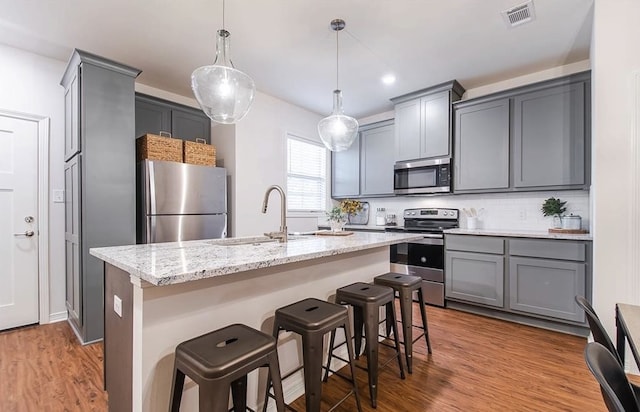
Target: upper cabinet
(366,168)
(155,115)
(423,122)
(376,162)
(549,129)
(481,159)
(345,171)
(531,138)
(71,119)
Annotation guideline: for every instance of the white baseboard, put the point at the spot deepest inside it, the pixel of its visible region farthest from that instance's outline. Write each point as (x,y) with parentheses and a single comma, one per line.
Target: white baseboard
(57,317)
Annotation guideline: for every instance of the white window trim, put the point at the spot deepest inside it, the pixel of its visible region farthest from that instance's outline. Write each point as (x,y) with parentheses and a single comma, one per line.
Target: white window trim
(298,213)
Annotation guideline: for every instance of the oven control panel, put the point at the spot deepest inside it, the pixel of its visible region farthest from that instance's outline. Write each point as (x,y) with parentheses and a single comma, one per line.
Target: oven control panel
(431,213)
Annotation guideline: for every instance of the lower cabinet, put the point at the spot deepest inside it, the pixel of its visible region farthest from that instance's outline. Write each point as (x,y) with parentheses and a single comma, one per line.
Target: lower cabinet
(546,287)
(475,277)
(518,277)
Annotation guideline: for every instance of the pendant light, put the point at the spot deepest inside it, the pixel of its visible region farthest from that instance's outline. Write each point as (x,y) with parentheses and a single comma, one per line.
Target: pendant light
(337,130)
(224,93)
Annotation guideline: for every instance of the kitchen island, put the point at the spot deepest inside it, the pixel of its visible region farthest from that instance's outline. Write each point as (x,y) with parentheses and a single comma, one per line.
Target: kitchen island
(159,295)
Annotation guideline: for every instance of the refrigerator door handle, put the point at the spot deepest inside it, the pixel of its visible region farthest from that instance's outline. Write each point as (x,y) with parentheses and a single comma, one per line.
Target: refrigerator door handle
(151,230)
(151,200)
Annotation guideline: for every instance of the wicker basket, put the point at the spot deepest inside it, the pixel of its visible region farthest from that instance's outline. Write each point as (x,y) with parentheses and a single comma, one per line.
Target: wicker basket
(154,147)
(199,153)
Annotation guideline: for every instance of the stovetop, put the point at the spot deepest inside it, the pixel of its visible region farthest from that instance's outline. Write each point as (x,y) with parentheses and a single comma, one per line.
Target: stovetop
(432,220)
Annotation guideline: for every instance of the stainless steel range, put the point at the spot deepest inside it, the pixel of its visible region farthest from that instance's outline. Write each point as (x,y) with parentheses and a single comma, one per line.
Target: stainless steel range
(425,257)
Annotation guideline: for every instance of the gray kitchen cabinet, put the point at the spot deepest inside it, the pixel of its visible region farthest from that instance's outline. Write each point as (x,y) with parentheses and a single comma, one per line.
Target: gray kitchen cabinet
(366,168)
(541,278)
(72,242)
(475,277)
(407,140)
(435,114)
(549,130)
(345,171)
(535,137)
(153,115)
(71,121)
(376,162)
(99,179)
(423,122)
(481,159)
(547,287)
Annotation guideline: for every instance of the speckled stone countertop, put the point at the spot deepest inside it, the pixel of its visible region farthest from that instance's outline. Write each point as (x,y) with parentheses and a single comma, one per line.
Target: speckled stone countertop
(541,234)
(177,262)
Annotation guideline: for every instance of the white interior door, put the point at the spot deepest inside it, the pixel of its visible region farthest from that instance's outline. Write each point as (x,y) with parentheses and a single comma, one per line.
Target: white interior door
(18,225)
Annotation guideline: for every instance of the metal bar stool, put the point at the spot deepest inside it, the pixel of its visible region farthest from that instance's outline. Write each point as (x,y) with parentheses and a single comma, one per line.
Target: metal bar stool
(312,319)
(366,300)
(220,360)
(405,285)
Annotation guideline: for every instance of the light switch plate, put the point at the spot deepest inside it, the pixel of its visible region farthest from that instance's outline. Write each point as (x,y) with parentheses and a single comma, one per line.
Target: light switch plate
(58,196)
(117,305)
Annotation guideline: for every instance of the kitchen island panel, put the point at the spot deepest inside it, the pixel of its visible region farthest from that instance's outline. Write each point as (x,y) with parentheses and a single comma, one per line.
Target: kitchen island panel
(165,316)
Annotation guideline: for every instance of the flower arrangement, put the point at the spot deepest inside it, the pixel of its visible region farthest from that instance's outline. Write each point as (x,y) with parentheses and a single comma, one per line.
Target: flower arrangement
(338,215)
(350,207)
(335,215)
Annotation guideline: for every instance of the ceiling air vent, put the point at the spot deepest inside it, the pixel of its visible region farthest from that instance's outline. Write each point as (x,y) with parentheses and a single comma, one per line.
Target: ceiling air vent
(518,15)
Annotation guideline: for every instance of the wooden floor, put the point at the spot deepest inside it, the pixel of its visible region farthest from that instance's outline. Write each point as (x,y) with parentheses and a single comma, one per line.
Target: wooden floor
(478,364)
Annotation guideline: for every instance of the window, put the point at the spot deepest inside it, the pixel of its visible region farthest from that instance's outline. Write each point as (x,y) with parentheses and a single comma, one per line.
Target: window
(306,175)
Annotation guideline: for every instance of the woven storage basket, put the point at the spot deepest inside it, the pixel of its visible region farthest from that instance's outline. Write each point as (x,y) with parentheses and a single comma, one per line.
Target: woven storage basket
(154,147)
(199,153)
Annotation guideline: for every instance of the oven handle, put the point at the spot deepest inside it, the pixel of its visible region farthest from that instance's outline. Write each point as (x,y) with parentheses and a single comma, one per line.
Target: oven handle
(438,241)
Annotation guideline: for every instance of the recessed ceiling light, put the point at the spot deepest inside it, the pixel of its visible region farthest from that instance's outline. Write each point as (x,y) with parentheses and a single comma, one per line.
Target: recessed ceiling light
(388,79)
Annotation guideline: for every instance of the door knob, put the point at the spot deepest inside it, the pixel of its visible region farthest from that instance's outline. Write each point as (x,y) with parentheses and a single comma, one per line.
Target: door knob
(27,233)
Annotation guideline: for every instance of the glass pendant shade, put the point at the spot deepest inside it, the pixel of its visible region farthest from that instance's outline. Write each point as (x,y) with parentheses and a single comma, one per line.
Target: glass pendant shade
(338,131)
(224,93)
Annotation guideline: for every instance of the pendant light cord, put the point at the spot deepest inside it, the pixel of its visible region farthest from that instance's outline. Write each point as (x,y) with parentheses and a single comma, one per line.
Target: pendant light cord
(337,60)
(223,26)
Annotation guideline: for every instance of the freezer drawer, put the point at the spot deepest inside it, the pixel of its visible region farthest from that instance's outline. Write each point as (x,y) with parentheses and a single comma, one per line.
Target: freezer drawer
(185,227)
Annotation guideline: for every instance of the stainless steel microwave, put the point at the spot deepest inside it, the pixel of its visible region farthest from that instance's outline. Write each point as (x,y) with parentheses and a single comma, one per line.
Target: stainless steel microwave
(422,176)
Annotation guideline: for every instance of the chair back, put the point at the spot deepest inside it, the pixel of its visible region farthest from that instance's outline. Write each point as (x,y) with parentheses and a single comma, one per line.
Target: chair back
(614,385)
(597,330)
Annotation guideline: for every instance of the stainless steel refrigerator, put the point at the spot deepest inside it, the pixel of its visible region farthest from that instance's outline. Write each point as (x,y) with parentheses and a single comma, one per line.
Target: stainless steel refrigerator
(179,201)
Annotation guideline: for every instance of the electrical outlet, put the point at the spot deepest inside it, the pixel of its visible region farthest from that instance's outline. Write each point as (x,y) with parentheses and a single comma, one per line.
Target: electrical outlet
(523,214)
(117,305)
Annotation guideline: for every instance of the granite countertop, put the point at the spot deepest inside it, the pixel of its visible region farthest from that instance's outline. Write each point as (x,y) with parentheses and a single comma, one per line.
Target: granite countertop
(541,234)
(177,262)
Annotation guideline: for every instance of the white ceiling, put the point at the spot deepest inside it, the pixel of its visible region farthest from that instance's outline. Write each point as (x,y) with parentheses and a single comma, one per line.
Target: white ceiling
(289,50)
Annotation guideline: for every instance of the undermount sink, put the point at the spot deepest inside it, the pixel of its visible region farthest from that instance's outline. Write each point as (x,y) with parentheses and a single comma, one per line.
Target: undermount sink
(232,241)
(255,241)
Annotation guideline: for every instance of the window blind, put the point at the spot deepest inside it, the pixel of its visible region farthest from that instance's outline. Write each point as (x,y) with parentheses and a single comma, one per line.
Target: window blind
(306,175)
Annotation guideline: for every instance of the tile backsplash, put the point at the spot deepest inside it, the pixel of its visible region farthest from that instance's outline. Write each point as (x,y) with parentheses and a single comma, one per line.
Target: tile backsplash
(496,210)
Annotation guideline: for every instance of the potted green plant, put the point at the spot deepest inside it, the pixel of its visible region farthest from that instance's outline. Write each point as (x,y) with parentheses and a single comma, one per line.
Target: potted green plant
(556,208)
(336,218)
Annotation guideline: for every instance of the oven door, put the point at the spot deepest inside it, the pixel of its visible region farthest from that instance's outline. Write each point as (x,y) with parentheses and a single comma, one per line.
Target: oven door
(425,176)
(424,258)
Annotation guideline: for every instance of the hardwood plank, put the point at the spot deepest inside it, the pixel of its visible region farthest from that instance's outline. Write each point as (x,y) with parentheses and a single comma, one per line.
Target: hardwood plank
(44,368)
(478,364)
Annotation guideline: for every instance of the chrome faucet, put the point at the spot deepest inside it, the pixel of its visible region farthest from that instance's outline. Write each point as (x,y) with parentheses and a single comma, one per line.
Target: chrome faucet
(282,234)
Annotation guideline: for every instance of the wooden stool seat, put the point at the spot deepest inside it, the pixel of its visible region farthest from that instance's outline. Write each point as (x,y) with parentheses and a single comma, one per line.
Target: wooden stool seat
(366,299)
(405,285)
(220,360)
